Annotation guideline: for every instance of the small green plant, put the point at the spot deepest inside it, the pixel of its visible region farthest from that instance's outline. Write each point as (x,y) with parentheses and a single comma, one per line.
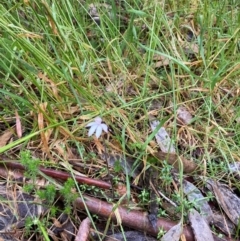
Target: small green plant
(183,204)
(30,164)
(28,226)
(68,194)
(144,196)
(53,211)
(31,169)
(48,194)
(34,223)
(162,213)
(161,232)
(165,174)
(237,230)
(116,180)
(117,167)
(28,188)
(209,196)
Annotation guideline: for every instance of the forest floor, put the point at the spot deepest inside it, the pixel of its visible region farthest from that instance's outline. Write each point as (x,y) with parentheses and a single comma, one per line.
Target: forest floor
(120,120)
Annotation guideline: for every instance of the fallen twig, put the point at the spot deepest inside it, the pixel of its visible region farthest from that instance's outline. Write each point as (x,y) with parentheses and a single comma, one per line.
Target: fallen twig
(61,175)
(133,219)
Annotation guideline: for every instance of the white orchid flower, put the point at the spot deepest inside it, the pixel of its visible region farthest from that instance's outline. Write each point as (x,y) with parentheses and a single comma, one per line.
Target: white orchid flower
(97,126)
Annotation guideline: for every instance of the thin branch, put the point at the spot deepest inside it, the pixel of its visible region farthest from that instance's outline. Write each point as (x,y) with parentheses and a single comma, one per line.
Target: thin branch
(61,175)
(133,219)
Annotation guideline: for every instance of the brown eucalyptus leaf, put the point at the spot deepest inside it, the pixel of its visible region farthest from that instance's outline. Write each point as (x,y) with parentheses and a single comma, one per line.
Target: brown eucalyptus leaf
(18,125)
(222,222)
(195,196)
(201,229)
(5,137)
(84,230)
(173,234)
(229,201)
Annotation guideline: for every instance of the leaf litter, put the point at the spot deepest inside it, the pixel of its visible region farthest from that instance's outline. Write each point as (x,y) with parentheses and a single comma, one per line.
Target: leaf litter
(173,234)
(228,201)
(163,139)
(89,155)
(5,137)
(201,229)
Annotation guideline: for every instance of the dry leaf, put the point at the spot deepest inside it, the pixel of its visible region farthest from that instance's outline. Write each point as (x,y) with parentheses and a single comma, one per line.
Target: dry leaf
(162,137)
(201,230)
(60,148)
(18,125)
(53,85)
(173,234)
(229,201)
(191,48)
(161,61)
(50,18)
(84,230)
(194,195)
(184,115)
(4,138)
(113,86)
(30,35)
(222,222)
(45,135)
(15,207)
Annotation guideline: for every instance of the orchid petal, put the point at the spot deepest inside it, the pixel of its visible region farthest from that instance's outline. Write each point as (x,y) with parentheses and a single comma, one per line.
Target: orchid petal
(99,131)
(105,127)
(91,124)
(98,120)
(92,129)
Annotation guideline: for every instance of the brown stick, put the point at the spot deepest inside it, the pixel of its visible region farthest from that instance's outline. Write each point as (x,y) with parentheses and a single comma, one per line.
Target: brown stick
(133,219)
(62,175)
